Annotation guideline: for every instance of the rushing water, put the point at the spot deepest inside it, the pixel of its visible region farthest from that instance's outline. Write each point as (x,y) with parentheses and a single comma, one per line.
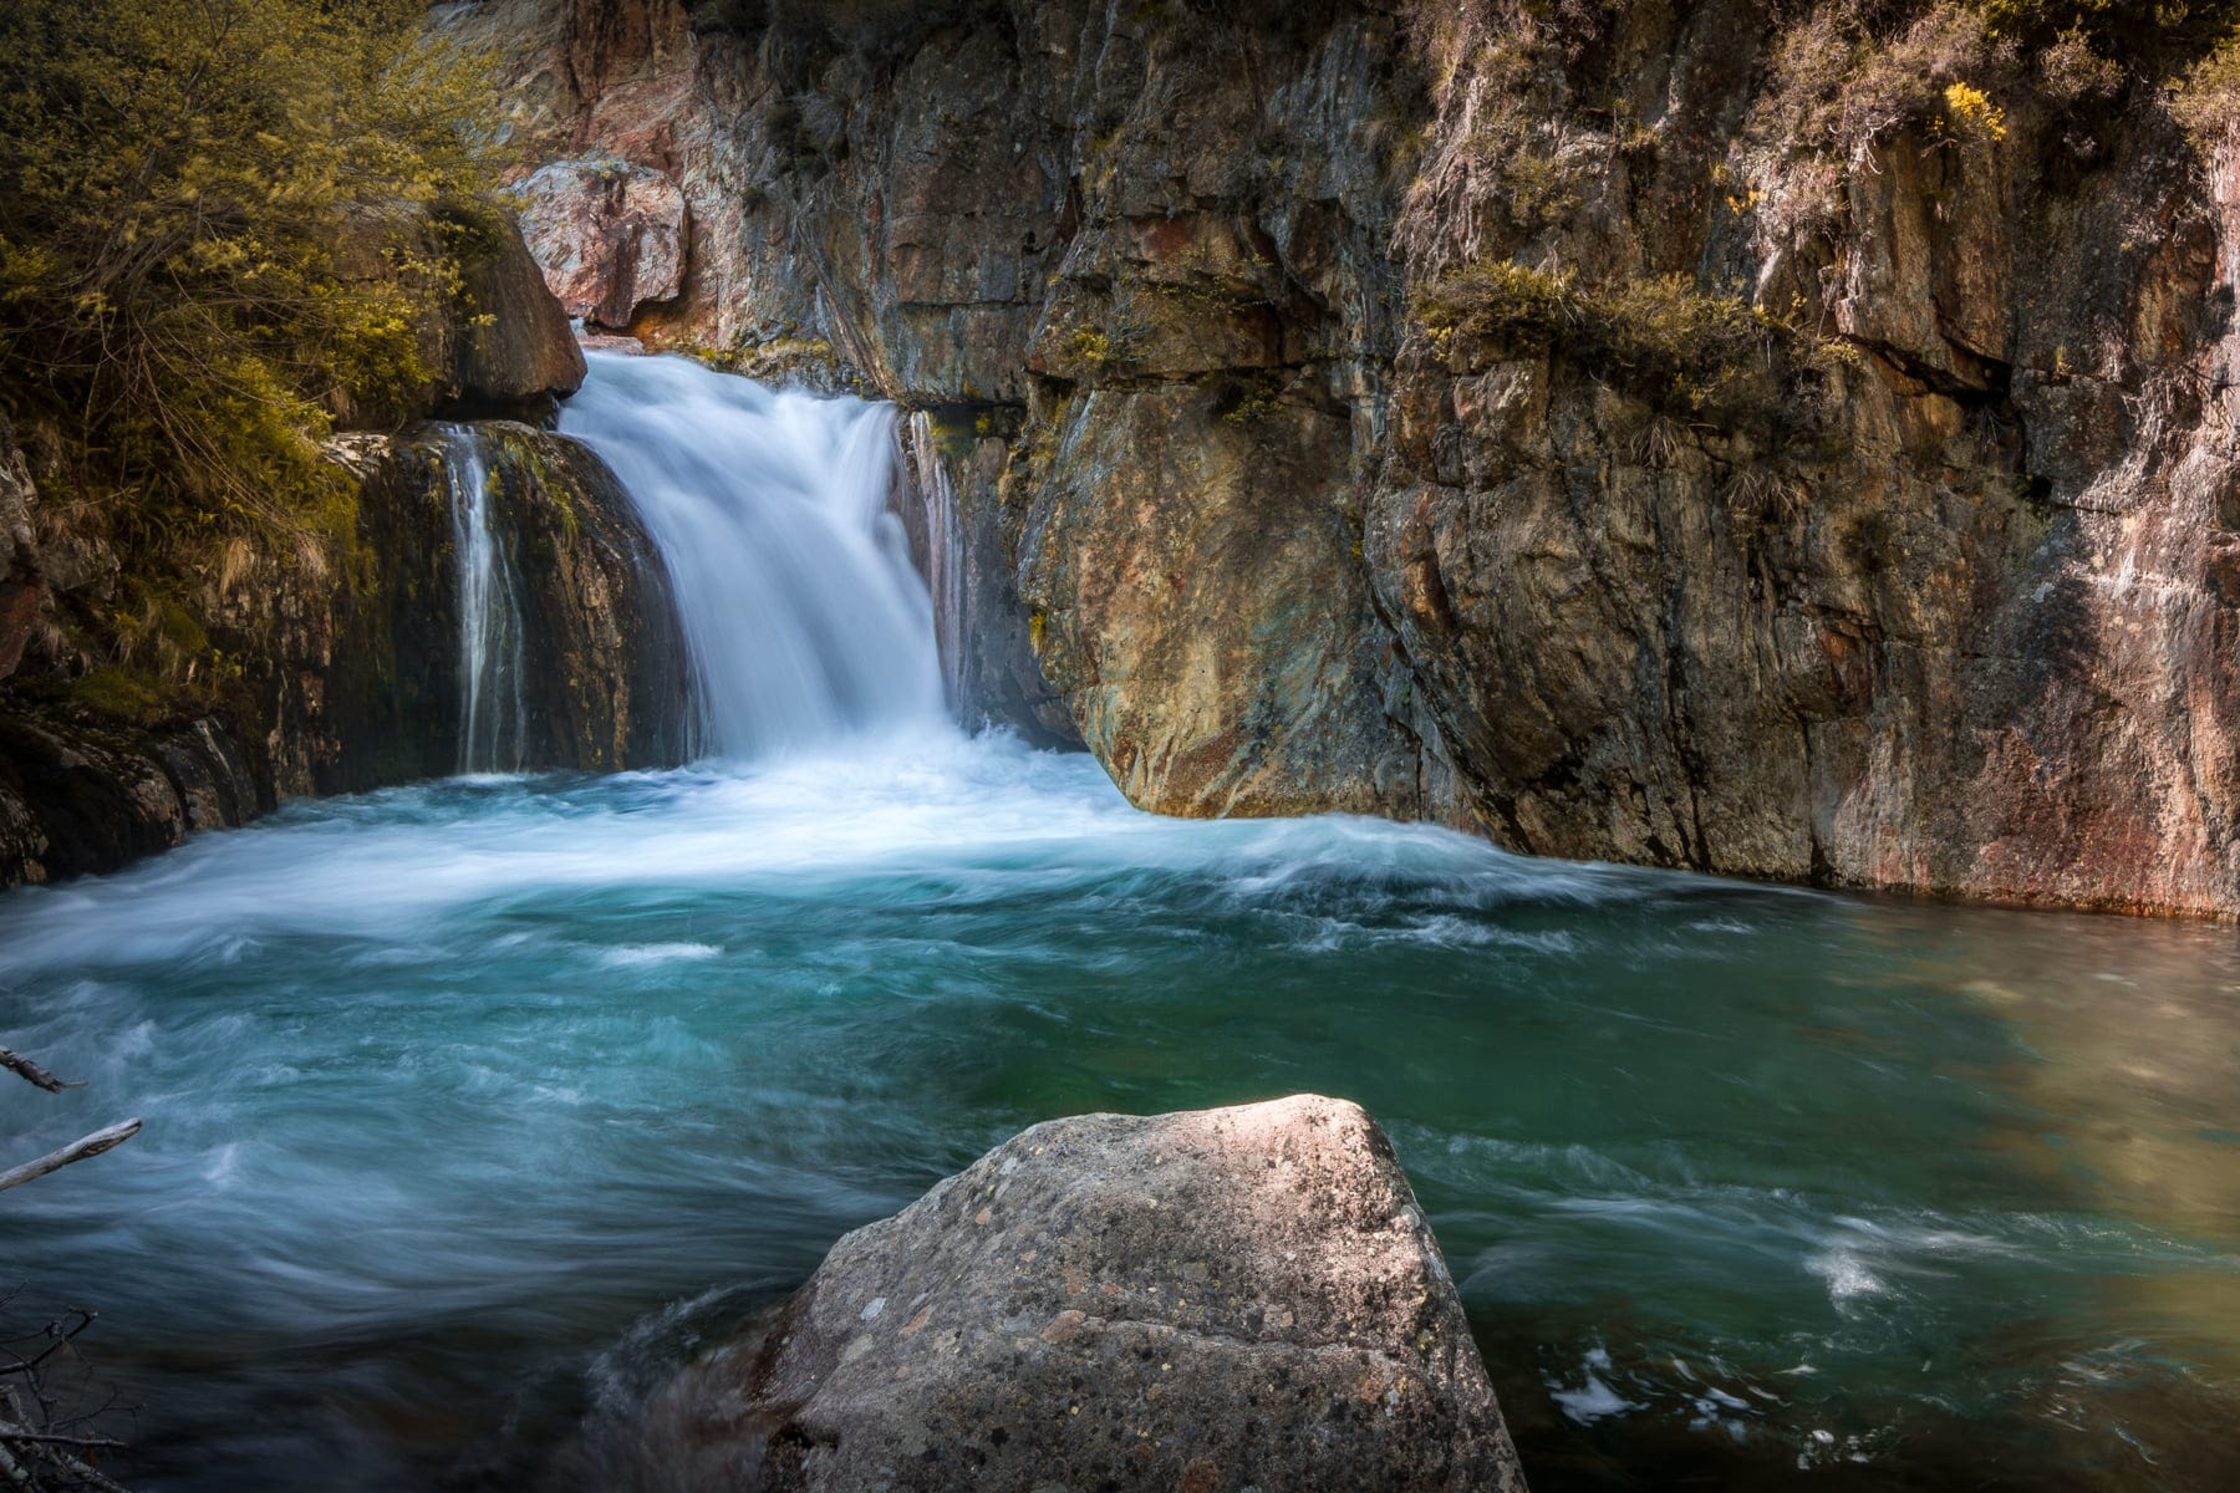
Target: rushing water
(472,1108)
(803,618)
(492,716)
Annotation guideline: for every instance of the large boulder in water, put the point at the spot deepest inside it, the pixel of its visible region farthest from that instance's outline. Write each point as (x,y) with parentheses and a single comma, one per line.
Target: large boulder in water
(1219,1300)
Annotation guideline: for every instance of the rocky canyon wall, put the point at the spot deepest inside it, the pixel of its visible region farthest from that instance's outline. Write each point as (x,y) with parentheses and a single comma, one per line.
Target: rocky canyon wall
(336,669)
(1720,435)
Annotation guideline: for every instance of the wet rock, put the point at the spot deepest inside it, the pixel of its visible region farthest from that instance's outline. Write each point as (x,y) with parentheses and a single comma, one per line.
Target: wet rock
(609,236)
(603,671)
(349,676)
(1220,1300)
(78,796)
(952,512)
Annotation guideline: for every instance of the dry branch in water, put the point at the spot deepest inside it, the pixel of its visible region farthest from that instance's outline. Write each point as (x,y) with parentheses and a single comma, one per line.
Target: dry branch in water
(43,1447)
(30,1072)
(77,1150)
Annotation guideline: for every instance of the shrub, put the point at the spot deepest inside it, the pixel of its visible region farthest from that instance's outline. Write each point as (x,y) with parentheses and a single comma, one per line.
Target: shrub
(215,237)
(1684,350)
(2206,100)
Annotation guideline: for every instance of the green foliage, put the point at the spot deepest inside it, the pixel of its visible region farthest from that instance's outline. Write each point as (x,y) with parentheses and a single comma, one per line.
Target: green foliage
(1846,71)
(1665,340)
(2119,27)
(121,693)
(1246,400)
(216,240)
(1501,300)
(2206,101)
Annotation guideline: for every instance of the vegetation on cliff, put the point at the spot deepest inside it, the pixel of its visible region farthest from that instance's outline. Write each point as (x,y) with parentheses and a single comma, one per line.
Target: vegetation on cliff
(222,233)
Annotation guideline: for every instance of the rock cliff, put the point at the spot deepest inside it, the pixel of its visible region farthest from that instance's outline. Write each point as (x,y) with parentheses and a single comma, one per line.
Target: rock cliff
(344,677)
(335,668)
(1788,440)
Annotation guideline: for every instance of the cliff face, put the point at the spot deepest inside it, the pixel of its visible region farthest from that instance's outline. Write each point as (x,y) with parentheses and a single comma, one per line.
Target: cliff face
(344,677)
(1706,435)
(264,675)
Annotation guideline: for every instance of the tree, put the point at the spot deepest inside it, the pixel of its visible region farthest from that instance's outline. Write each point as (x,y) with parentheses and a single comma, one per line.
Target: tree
(216,242)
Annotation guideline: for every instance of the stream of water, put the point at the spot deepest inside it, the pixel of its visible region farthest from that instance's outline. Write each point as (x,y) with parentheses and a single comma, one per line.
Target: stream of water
(473,1108)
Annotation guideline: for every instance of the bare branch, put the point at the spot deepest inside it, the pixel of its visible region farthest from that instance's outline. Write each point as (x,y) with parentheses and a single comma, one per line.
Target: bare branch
(77,1150)
(23,1067)
(25,1433)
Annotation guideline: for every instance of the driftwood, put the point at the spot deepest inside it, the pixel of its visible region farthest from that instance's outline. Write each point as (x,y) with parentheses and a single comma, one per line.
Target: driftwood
(78,1150)
(30,1072)
(43,1447)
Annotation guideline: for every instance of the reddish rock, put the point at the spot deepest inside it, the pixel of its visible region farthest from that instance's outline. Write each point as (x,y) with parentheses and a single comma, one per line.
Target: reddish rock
(609,237)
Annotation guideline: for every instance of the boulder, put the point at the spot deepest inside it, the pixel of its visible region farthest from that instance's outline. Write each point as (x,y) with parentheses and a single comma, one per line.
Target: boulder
(1219,1300)
(610,237)
(516,353)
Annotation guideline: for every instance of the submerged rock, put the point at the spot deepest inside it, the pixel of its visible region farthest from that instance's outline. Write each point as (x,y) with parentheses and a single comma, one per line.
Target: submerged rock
(1223,1299)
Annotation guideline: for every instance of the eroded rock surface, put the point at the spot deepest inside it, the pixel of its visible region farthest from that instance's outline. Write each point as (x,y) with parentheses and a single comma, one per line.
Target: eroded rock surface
(346,673)
(1957,617)
(609,236)
(1218,1300)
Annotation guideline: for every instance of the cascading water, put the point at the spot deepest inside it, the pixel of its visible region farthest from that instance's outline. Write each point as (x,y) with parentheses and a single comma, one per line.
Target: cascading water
(492,715)
(803,618)
(944,554)
(473,1108)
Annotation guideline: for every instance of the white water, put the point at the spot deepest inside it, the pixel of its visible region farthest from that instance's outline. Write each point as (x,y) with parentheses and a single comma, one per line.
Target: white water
(803,617)
(492,716)
(476,1105)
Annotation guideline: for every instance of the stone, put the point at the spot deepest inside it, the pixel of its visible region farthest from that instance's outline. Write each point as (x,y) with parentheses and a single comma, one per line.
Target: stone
(604,675)
(1226,1299)
(349,680)
(24,599)
(516,353)
(1958,618)
(609,236)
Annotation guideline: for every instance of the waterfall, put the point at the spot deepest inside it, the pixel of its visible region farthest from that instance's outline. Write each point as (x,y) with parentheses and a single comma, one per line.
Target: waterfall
(492,716)
(803,618)
(943,560)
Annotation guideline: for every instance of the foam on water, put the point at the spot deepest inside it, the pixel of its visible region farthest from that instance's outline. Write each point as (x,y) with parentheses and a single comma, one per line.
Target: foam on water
(471,1107)
(804,620)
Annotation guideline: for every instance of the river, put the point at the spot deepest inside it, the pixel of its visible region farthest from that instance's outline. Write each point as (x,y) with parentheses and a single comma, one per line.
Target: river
(475,1107)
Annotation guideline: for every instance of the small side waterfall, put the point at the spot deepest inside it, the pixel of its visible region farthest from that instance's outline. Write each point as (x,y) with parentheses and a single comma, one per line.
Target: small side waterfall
(492,714)
(803,618)
(943,560)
